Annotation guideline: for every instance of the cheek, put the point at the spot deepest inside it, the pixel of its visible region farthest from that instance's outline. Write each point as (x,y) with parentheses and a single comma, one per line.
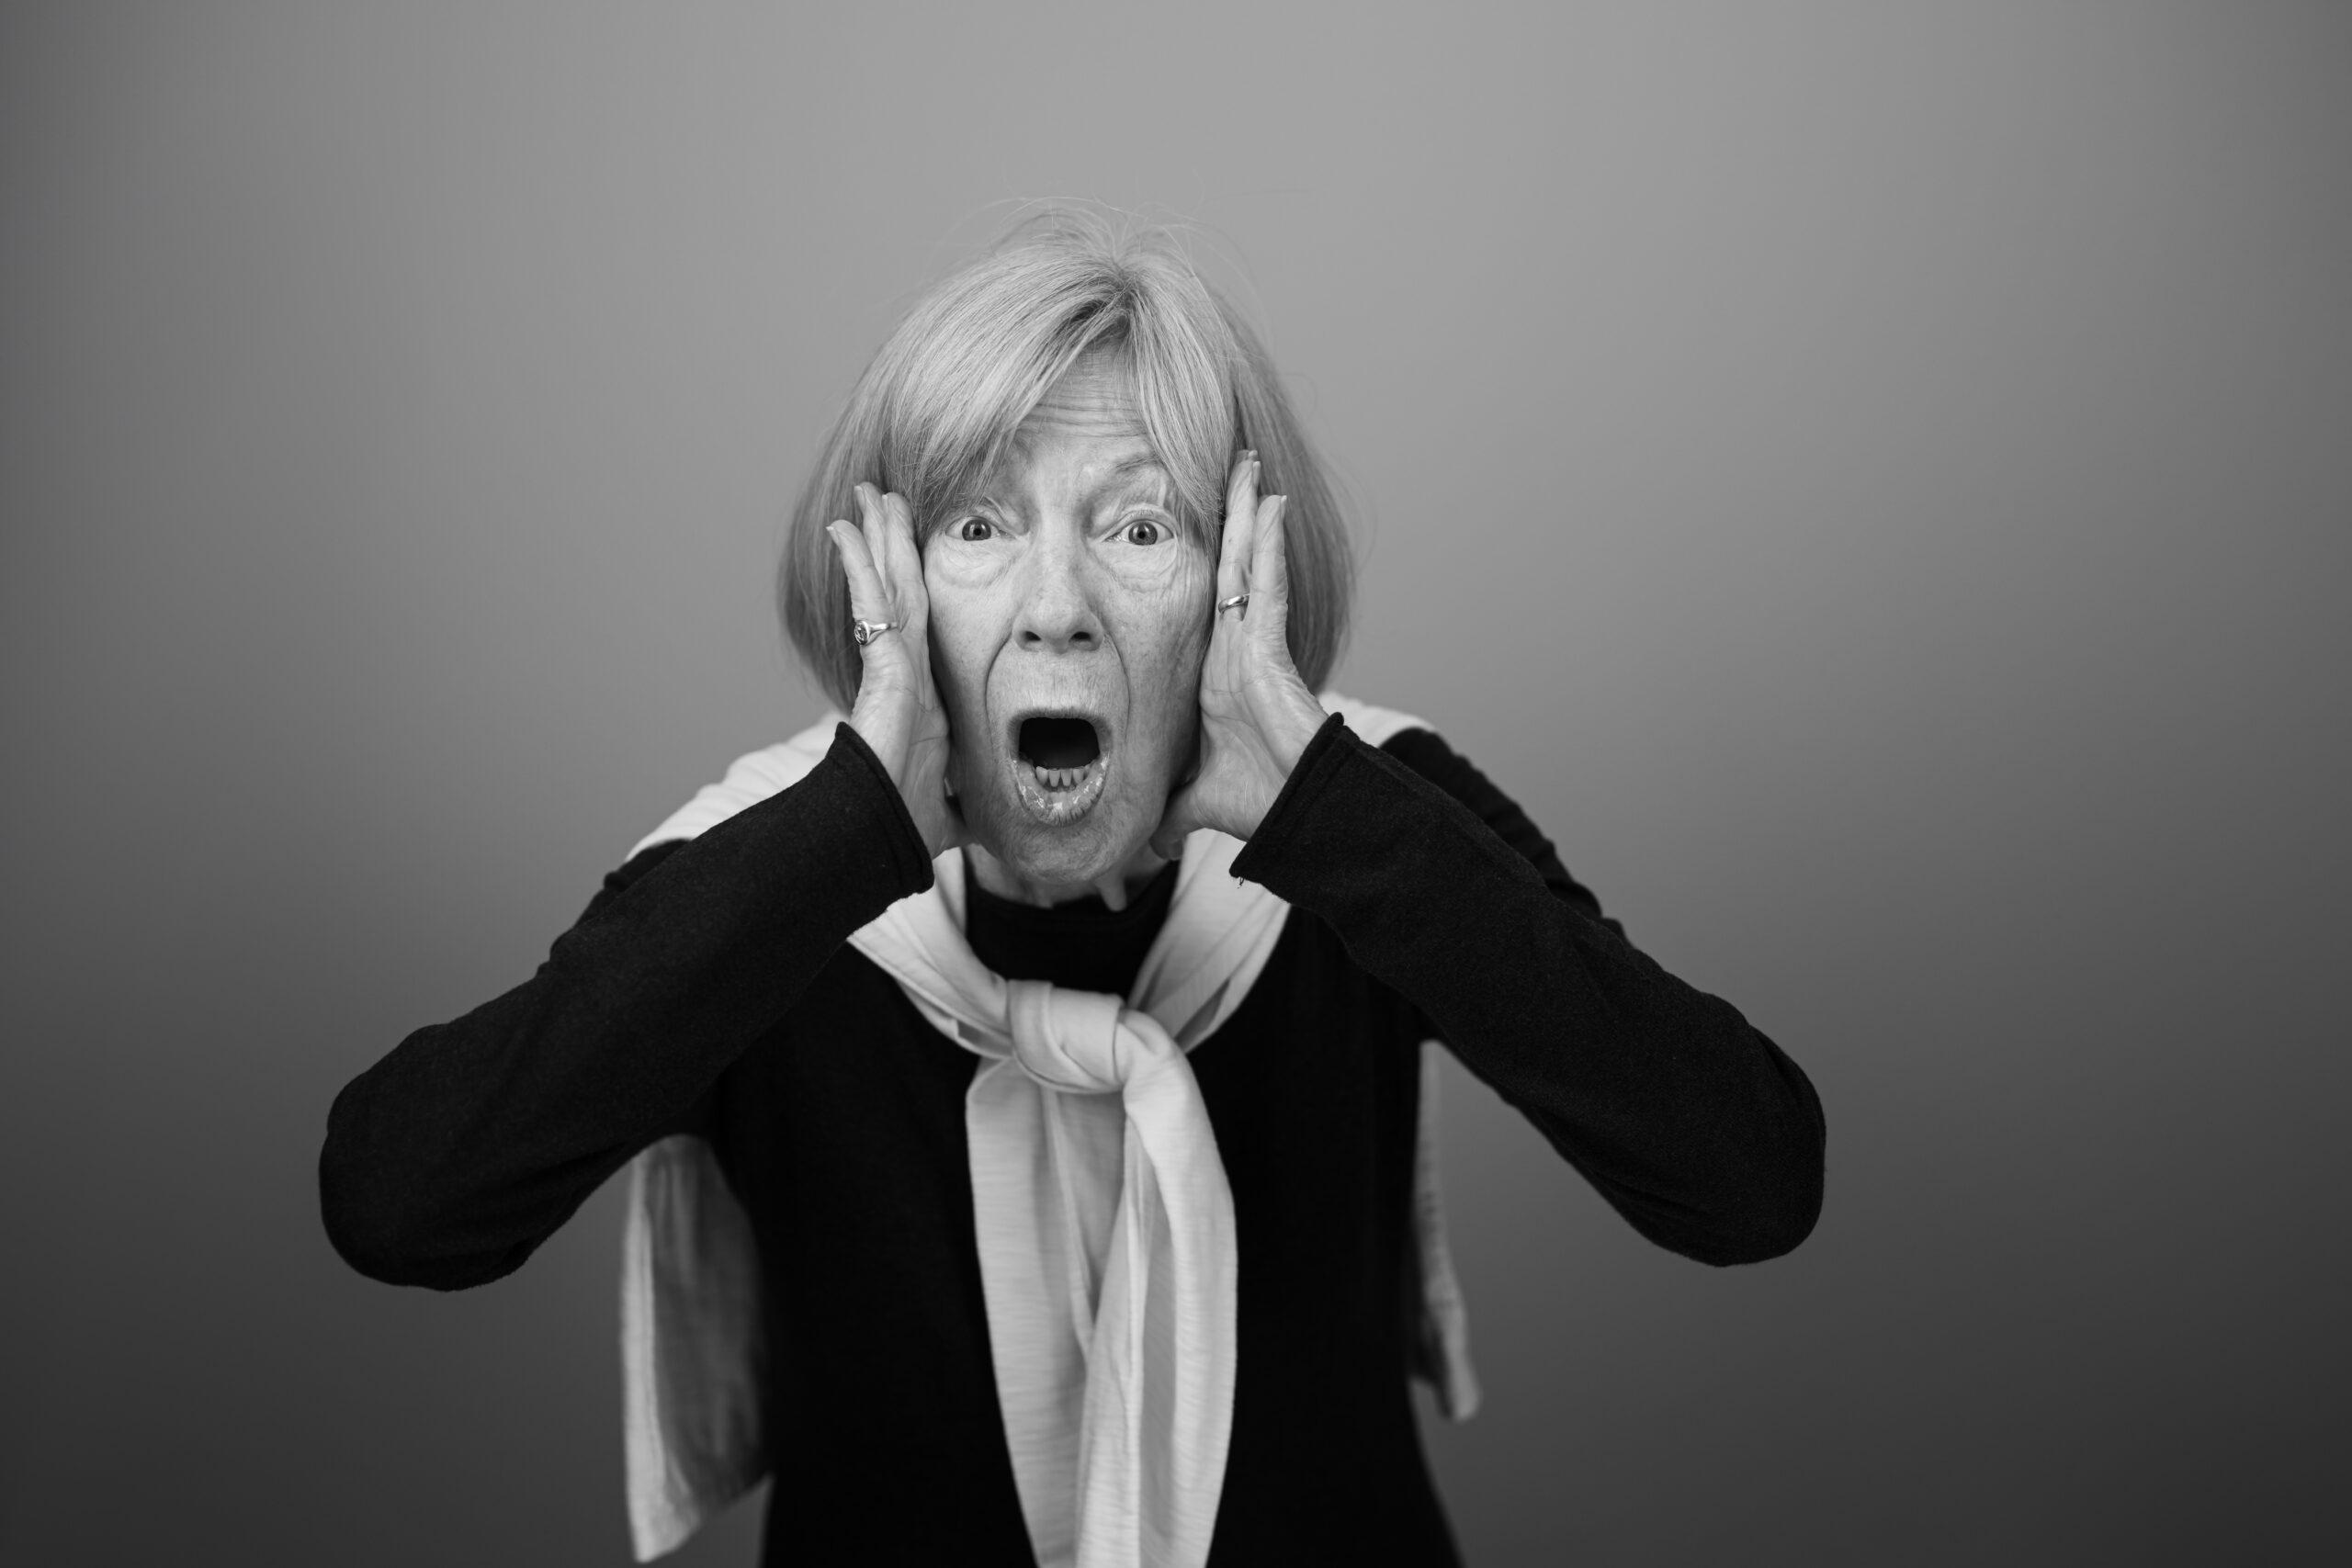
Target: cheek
(951,565)
(963,635)
(1190,590)
(1167,634)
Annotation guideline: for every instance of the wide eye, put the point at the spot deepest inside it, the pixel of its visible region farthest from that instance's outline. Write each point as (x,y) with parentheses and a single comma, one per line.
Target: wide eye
(1144,531)
(974,529)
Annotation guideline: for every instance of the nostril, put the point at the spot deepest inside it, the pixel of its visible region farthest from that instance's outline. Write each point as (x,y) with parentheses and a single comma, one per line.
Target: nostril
(1031,637)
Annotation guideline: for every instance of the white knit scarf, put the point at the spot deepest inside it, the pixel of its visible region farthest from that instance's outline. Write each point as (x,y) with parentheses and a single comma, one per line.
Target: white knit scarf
(1105,1226)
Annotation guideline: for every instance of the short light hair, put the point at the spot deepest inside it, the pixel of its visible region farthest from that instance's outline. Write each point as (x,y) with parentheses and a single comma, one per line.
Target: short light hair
(938,406)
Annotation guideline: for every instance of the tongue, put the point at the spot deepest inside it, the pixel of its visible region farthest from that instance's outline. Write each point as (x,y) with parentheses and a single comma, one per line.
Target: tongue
(1060,742)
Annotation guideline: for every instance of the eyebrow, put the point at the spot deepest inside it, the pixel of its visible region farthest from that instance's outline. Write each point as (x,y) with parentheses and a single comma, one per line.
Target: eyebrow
(1127,468)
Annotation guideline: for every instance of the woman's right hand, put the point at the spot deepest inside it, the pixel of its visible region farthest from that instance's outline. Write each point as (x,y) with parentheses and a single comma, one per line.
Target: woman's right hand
(898,712)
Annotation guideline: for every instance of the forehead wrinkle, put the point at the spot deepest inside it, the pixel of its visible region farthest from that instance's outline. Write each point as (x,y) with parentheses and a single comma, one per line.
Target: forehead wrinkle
(1096,396)
(1065,422)
(1140,463)
(1092,405)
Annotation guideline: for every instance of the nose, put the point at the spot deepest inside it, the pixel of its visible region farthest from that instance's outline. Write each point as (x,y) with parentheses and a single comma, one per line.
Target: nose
(1057,614)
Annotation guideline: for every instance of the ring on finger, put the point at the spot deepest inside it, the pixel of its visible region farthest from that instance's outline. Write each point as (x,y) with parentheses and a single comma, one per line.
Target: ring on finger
(866,631)
(1238,602)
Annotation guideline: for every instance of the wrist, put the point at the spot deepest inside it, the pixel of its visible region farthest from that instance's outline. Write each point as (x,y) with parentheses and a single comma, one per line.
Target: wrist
(1291,729)
(884,735)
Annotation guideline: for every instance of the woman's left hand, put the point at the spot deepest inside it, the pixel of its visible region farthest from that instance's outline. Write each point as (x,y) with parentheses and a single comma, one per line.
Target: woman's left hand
(1257,716)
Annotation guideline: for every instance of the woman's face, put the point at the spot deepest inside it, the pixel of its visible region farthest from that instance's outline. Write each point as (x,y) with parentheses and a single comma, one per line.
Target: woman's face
(1068,617)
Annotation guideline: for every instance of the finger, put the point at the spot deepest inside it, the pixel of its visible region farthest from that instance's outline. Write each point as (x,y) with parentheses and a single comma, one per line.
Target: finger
(903,562)
(1270,567)
(1240,516)
(877,550)
(867,601)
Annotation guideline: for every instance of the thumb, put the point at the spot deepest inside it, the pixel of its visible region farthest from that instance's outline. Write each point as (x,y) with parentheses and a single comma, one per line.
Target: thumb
(1182,818)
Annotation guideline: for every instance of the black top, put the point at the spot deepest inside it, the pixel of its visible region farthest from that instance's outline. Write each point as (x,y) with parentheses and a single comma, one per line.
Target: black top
(710,987)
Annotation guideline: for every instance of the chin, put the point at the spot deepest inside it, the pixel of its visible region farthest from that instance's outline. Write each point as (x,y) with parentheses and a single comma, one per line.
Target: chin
(1063,862)
(1059,799)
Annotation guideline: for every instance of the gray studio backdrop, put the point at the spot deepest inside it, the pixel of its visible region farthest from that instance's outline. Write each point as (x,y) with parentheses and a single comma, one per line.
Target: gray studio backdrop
(1871,479)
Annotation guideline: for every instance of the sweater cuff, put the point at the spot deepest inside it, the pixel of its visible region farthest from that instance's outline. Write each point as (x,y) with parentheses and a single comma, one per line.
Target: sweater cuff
(902,837)
(1353,823)
(1325,756)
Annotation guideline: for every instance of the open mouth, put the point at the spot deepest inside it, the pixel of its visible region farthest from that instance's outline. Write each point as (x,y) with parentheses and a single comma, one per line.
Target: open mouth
(1058,767)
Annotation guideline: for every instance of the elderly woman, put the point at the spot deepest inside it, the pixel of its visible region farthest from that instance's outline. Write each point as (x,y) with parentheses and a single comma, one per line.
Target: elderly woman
(1023,1076)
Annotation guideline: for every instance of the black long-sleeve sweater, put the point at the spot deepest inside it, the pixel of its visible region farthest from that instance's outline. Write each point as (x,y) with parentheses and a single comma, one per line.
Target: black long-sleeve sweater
(711,988)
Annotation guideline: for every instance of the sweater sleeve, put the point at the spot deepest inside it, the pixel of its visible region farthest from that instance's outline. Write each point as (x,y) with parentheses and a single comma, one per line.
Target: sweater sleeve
(1695,1125)
(451,1159)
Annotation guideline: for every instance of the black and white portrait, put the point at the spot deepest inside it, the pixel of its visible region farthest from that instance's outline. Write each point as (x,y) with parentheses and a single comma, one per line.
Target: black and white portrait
(1175,787)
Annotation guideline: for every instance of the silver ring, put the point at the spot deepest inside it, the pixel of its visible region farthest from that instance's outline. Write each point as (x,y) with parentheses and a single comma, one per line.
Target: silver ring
(866,631)
(1238,602)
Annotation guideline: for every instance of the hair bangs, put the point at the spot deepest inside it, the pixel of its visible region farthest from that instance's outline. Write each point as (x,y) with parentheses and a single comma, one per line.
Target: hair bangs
(1183,387)
(969,368)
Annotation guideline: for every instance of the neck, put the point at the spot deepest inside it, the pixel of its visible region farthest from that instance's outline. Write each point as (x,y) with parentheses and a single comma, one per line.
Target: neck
(1115,888)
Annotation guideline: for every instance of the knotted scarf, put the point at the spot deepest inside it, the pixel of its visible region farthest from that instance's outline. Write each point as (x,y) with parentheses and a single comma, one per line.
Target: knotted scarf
(1106,1224)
